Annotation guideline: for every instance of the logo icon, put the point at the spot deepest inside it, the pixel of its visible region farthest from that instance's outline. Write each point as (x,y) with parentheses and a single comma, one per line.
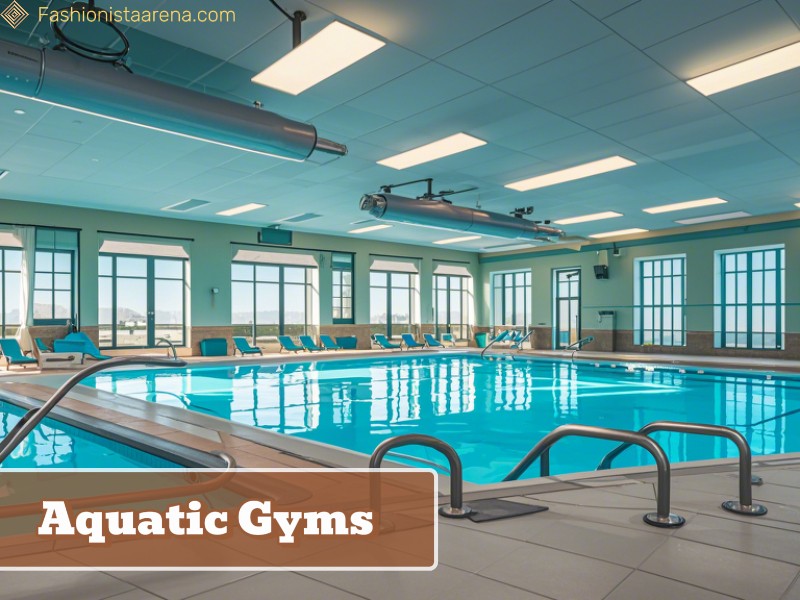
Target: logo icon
(14,14)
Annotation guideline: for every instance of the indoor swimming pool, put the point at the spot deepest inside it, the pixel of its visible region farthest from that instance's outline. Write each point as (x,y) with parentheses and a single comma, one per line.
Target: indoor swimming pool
(491,411)
(54,444)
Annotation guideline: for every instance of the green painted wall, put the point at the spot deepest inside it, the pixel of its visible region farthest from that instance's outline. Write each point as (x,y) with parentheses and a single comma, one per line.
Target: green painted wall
(211,253)
(616,293)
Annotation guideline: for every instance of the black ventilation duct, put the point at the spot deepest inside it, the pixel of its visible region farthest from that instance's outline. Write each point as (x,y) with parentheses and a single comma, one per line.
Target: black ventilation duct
(67,80)
(441,214)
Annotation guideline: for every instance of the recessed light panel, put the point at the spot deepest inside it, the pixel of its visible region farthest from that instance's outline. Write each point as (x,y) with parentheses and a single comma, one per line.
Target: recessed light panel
(453,144)
(655,210)
(619,232)
(711,218)
(610,214)
(597,167)
(456,240)
(752,69)
(186,205)
(368,229)
(331,50)
(238,210)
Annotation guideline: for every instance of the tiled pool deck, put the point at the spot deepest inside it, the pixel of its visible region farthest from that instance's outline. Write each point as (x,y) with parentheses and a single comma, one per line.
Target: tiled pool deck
(590,544)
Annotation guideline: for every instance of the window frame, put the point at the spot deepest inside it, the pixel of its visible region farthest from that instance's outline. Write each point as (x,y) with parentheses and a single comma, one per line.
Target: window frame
(722,305)
(339,294)
(527,287)
(640,307)
(52,319)
(3,277)
(556,299)
(389,327)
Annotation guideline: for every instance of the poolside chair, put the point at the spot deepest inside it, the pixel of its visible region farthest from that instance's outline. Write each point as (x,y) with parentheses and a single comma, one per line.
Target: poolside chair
(380,340)
(328,343)
(447,338)
(243,346)
(432,342)
(309,344)
(501,337)
(13,353)
(79,342)
(410,342)
(41,346)
(287,343)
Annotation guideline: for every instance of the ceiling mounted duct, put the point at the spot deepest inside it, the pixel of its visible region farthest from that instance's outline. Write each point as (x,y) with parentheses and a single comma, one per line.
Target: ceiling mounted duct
(66,80)
(442,214)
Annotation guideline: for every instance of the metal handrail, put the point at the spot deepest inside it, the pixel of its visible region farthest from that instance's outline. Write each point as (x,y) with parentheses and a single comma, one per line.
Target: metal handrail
(423,461)
(456,508)
(168,343)
(493,342)
(662,517)
(578,345)
(744,505)
(35,415)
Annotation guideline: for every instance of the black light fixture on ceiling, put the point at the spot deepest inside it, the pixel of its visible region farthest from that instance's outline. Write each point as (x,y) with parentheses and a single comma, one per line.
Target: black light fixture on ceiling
(435,210)
(112,91)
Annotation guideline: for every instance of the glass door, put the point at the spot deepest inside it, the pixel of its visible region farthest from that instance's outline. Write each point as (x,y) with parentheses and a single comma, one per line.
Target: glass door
(567,305)
(451,309)
(141,299)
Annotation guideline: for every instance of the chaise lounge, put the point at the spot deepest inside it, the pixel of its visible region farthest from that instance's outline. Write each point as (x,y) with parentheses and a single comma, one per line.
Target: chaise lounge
(380,340)
(287,343)
(242,346)
(410,342)
(14,355)
(309,344)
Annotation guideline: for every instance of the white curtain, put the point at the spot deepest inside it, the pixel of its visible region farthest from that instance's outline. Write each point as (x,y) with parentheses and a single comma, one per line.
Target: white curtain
(26,235)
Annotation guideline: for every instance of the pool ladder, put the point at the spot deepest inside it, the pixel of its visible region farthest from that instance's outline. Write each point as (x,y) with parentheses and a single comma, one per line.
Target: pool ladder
(35,415)
(662,517)
(578,345)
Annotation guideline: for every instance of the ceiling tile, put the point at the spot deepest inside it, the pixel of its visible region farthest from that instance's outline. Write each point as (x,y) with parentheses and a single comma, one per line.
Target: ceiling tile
(531,40)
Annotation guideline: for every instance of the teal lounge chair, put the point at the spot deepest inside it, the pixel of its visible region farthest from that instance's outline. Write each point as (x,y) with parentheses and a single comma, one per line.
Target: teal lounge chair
(287,343)
(41,346)
(79,342)
(502,336)
(380,340)
(243,346)
(447,338)
(410,342)
(328,343)
(432,342)
(14,355)
(309,344)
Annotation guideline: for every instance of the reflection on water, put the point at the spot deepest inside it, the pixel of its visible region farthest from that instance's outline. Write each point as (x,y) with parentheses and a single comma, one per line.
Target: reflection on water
(57,445)
(492,412)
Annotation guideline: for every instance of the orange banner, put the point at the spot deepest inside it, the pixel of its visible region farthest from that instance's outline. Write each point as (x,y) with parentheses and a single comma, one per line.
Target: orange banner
(250,519)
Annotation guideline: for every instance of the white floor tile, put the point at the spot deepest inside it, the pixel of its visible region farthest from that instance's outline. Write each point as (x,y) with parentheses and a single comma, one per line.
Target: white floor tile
(724,571)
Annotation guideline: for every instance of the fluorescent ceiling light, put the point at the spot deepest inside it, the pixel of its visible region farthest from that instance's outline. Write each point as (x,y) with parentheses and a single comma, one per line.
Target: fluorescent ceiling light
(604,165)
(368,229)
(466,238)
(333,49)
(445,147)
(748,70)
(618,232)
(655,210)
(238,210)
(3,174)
(610,214)
(710,218)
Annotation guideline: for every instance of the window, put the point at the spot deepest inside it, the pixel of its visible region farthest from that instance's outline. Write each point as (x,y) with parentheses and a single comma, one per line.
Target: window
(659,299)
(566,307)
(451,298)
(342,265)
(10,274)
(52,285)
(511,298)
(54,276)
(749,297)
(141,299)
(269,300)
(390,301)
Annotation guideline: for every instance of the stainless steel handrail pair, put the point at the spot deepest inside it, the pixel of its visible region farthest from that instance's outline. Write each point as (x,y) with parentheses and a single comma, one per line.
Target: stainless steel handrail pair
(169,344)
(35,415)
(744,505)
(578,345)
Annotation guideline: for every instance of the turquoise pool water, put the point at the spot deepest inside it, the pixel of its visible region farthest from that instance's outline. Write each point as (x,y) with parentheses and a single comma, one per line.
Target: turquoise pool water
(492,412)
(57,445)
